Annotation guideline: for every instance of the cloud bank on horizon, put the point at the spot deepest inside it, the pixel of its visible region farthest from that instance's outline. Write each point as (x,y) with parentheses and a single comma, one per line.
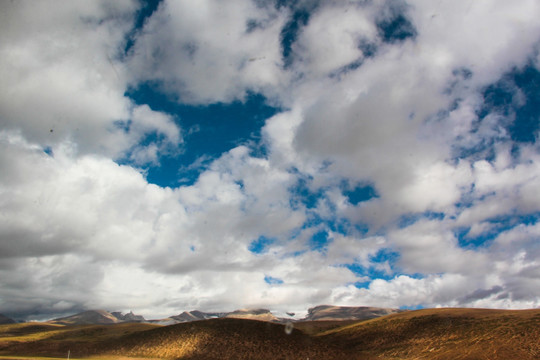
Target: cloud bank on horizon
(175,155)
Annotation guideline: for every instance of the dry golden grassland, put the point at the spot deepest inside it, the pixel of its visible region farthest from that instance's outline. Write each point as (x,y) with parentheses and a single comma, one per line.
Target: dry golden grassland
(444,334)
(50,340)
(423,334)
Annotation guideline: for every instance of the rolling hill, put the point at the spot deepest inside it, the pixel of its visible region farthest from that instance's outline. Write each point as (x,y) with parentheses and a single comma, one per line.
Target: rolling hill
(36,339)
(444,334)
(422,334)
(224,338)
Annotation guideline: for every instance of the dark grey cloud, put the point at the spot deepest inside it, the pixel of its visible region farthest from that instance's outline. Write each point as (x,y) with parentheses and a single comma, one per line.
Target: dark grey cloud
(481,294)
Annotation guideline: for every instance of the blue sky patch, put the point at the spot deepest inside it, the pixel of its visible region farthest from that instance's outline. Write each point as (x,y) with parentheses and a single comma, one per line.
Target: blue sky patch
(369,49)
(498,225)
(411,307)
(527,120)
(147,9)
(384,255)
(515,98)
(260,245)
(272,280)
(409,219)
(373,272)
(360,193)
(319,240)
(474,242)
(362,284)
(396,29)
(289,33)
(48,150)
(302,193)
(208,131)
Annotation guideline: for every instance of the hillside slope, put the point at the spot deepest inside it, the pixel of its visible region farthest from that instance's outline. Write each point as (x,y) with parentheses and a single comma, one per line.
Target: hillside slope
(46,339)
(443,334)
(224,338)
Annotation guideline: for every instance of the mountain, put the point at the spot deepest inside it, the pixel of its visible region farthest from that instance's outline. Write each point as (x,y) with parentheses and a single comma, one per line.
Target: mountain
(97,317)
(340,313)
(253,314)
(319,313)
(5,320)
(129,317)
(87,317)
(196,315)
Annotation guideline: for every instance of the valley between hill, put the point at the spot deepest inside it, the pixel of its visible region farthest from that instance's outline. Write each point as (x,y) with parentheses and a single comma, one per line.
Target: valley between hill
(422,334)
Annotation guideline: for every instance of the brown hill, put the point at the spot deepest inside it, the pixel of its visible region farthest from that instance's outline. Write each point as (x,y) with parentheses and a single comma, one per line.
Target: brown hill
(45,339)
(443,334)
(224,338)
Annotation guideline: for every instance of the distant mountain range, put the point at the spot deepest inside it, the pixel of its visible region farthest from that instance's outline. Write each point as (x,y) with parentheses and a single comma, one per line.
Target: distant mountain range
(98,317)
(318,313)
(5,320)
(339,313)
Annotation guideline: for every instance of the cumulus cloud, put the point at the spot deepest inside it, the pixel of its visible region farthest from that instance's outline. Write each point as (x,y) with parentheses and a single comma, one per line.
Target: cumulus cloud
(327,46)
(384,96)
(208,51)
(63,78)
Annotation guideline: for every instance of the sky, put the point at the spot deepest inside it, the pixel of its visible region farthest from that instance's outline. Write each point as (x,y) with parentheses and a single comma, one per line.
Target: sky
(162,156)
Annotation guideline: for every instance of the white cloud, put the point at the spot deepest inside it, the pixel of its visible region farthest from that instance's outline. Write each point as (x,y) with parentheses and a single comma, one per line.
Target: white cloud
(502,188)
(349,250)
(207,51)
(332,38)
(431,247)
(435,188)
(488,37)
(62,77)
(77,228)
